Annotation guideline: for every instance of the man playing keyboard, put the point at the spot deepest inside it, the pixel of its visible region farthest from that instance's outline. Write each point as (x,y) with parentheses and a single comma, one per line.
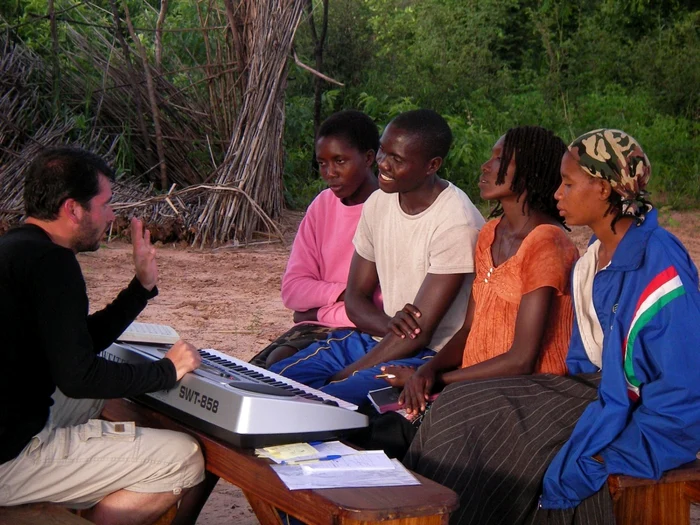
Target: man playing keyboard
(53,383)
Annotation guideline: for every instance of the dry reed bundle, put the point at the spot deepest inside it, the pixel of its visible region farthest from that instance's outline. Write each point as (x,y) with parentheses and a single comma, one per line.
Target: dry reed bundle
(20,103)
(254,160)
(26,125)
(23,103)
(184,121)
(247,46)
(12,170)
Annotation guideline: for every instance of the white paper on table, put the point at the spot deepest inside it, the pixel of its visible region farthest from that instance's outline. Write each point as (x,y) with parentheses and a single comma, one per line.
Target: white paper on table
(361,460)
(287,452)
(332,448)
(295,479)
(329,448)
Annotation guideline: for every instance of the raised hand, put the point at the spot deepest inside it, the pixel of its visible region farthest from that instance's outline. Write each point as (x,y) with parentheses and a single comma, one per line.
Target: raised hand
(185,357)
(144,255)
(405,323)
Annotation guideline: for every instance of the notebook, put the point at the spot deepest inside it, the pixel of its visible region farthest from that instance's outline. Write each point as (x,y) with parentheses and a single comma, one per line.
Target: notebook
(387,399)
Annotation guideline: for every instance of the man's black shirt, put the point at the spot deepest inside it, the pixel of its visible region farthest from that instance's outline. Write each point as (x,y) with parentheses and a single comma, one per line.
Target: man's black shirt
(50,341)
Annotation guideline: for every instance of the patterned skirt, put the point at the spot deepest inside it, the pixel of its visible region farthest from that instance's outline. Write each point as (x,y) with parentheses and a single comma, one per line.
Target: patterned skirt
(491,442)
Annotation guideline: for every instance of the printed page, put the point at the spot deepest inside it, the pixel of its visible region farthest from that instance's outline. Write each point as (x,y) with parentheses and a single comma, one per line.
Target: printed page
(305,451)
(295,479)
(149,333)
(361,460)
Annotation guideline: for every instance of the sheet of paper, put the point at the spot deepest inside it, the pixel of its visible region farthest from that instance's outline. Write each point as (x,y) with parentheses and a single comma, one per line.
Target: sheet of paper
(295,479)
(318,449)
(361,460)
(151,329)
(330,448)
(287,452)
(149,333)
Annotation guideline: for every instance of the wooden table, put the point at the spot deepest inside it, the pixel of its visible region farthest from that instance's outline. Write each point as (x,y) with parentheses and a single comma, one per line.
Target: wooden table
(426,504)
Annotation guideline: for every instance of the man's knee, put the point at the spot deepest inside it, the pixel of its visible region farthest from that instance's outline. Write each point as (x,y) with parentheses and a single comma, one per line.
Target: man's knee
(192,464)
(176,459)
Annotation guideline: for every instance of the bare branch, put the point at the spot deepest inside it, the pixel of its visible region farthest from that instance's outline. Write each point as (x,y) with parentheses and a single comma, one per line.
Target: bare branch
(159,34)
(314,72)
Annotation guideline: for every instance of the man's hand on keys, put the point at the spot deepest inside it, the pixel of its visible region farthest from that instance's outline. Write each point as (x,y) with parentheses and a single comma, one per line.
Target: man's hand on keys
(185,357)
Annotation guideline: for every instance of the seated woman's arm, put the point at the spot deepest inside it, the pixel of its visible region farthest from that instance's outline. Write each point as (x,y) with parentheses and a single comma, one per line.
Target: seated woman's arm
(521,357)
(303,288)
(417,389)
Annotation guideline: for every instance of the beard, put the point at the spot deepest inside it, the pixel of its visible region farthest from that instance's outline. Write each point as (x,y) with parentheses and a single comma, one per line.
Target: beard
(88,238)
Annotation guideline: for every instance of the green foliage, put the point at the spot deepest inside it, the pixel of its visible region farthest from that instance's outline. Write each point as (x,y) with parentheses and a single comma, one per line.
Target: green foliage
(301,184)
(670,142)
(488,65)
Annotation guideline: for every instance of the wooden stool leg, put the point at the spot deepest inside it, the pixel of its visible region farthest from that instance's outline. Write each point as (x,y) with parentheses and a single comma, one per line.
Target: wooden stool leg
(267,514)
(692,491)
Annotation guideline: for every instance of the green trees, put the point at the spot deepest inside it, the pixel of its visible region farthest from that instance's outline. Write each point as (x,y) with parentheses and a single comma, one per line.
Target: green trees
(486,65)
(492,64)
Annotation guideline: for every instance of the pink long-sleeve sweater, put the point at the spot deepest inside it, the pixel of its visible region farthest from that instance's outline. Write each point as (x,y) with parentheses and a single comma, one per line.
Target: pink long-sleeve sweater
(318,267)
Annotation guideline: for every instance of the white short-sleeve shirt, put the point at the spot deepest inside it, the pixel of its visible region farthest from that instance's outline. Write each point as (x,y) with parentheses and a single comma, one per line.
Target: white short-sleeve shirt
(405,248)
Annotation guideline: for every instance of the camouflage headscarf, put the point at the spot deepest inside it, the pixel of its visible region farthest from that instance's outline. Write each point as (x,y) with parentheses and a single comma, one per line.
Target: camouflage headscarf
(617,157)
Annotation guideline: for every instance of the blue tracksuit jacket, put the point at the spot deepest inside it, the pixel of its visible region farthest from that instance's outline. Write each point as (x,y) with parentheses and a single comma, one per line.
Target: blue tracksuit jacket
(647,417)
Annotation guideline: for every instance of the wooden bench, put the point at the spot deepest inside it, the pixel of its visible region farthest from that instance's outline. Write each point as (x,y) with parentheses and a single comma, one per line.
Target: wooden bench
(637,501)
(650,502)
(425,504)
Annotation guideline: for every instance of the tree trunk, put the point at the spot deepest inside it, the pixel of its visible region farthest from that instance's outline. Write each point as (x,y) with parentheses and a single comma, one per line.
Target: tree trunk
(134,88)
(164,183)
(54,51)
(159,35)
(319,42)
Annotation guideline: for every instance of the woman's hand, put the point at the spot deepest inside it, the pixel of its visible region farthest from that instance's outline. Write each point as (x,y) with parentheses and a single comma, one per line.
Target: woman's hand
(397,375)
(308,315)
(416,391)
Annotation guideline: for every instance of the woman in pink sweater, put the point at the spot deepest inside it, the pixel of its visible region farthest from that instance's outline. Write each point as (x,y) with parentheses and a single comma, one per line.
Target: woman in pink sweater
(314,282)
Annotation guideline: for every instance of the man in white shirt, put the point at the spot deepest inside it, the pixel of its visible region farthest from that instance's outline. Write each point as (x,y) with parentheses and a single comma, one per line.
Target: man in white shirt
(415,239)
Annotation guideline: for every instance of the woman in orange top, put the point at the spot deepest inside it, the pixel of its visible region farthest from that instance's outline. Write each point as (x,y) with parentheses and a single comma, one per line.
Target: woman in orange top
(519,318)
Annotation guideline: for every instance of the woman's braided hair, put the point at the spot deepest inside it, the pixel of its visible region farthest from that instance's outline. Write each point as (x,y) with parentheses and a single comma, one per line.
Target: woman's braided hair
(538,153)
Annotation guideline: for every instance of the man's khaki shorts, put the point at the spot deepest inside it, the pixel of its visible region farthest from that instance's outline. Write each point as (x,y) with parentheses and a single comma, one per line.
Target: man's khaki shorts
(77,461)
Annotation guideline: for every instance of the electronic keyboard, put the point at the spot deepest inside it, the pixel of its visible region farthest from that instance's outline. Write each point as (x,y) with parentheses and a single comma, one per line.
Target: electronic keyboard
(241,403)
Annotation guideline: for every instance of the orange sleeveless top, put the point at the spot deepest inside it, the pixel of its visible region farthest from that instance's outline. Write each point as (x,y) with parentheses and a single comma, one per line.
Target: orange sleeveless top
(545,258)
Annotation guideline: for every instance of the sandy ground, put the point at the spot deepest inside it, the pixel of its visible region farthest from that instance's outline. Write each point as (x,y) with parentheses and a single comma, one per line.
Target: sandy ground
(229,299)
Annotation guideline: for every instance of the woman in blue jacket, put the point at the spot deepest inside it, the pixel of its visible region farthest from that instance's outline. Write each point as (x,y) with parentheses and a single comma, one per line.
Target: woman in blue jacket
(539,449)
